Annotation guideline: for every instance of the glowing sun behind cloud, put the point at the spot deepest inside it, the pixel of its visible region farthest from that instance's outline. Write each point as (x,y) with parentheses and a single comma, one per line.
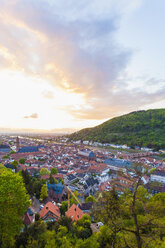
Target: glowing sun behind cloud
(33,103)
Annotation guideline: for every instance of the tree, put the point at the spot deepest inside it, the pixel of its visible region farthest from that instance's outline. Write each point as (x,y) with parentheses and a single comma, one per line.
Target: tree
(22,160)
(12,152)
(136,217)
(107,210)
(44,192)
(14,202)
(54,171)
(44,171)
(51,179)
(61,180)
(5,157)
(55,181)
(15,163)
(26,179)
(64,207)
(72,199)
(31,235)
(89,242)
(110,172)
(66,221)
(83,227)
(90,198)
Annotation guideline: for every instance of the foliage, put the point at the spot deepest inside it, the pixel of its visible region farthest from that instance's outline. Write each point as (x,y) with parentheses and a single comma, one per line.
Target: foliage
(55,181)
(72,199)
(15,163)
(64,207)
(66,221)
(51,179)
(61,180)
(63,233)
(32,184)
(5,157)
(141,128)
(44,171)
(54,171)
(14,202)
(37,216)
(31,235)
(12,152)
(44,192)
(22,160)
(110,172)
(90,198)
(135,219)
(2,167)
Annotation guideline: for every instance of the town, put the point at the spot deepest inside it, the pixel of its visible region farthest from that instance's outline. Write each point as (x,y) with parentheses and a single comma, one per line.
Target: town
(71,174)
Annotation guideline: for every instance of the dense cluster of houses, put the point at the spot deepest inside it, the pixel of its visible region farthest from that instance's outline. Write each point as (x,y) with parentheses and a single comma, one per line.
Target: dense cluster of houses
(81,169)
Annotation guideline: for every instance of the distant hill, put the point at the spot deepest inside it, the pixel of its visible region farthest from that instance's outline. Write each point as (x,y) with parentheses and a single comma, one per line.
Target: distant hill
(142,128)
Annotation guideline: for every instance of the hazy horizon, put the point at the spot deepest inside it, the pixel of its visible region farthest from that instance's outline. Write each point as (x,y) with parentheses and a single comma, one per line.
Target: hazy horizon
(55,131)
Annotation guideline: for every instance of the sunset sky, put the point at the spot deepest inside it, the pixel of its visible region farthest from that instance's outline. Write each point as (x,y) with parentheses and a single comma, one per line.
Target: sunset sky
(76,63)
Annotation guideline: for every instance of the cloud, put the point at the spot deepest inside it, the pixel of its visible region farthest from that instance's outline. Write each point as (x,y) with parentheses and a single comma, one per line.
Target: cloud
(72,44)
(32,116)
(48,95)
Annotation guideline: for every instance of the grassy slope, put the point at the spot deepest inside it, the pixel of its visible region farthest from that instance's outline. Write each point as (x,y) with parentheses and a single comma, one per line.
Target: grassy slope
(146,128)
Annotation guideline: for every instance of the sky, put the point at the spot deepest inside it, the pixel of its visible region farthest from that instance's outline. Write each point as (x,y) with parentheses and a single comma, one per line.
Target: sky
(67,65)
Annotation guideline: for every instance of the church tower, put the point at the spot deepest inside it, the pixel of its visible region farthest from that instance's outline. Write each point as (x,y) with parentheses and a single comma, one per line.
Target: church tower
(17,144)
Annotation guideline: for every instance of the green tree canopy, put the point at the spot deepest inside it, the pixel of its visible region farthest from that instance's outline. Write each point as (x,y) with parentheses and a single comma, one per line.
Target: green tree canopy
(61,180)
(5,157)
(44,192)
(136,217)
(54,171)
(22,160)
(15,163)
(12,152)
(64,207)
(51,179)
(44,171)
(90,198)
(14,202)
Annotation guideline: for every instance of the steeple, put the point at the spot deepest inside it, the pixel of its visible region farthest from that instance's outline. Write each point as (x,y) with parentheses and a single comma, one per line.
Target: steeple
(17,144)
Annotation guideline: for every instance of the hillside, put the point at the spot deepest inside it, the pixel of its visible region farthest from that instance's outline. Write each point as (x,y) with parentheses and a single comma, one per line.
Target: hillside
(143,128)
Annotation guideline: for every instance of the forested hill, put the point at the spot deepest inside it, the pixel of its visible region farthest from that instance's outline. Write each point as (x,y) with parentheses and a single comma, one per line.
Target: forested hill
(142,128)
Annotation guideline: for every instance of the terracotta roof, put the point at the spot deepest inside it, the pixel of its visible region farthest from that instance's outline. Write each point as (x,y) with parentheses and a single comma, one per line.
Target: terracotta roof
(50,208)
(74,212)
(44,177)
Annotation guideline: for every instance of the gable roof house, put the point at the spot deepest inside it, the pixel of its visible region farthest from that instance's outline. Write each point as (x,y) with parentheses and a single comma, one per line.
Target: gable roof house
(29,217)
(74,212)
(87,154)
(50,212)
(91,186)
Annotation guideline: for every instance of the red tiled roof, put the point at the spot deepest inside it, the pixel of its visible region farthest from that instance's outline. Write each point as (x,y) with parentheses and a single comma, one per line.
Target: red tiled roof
(58,176)
(74,212)
(44,177)
(50,208)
